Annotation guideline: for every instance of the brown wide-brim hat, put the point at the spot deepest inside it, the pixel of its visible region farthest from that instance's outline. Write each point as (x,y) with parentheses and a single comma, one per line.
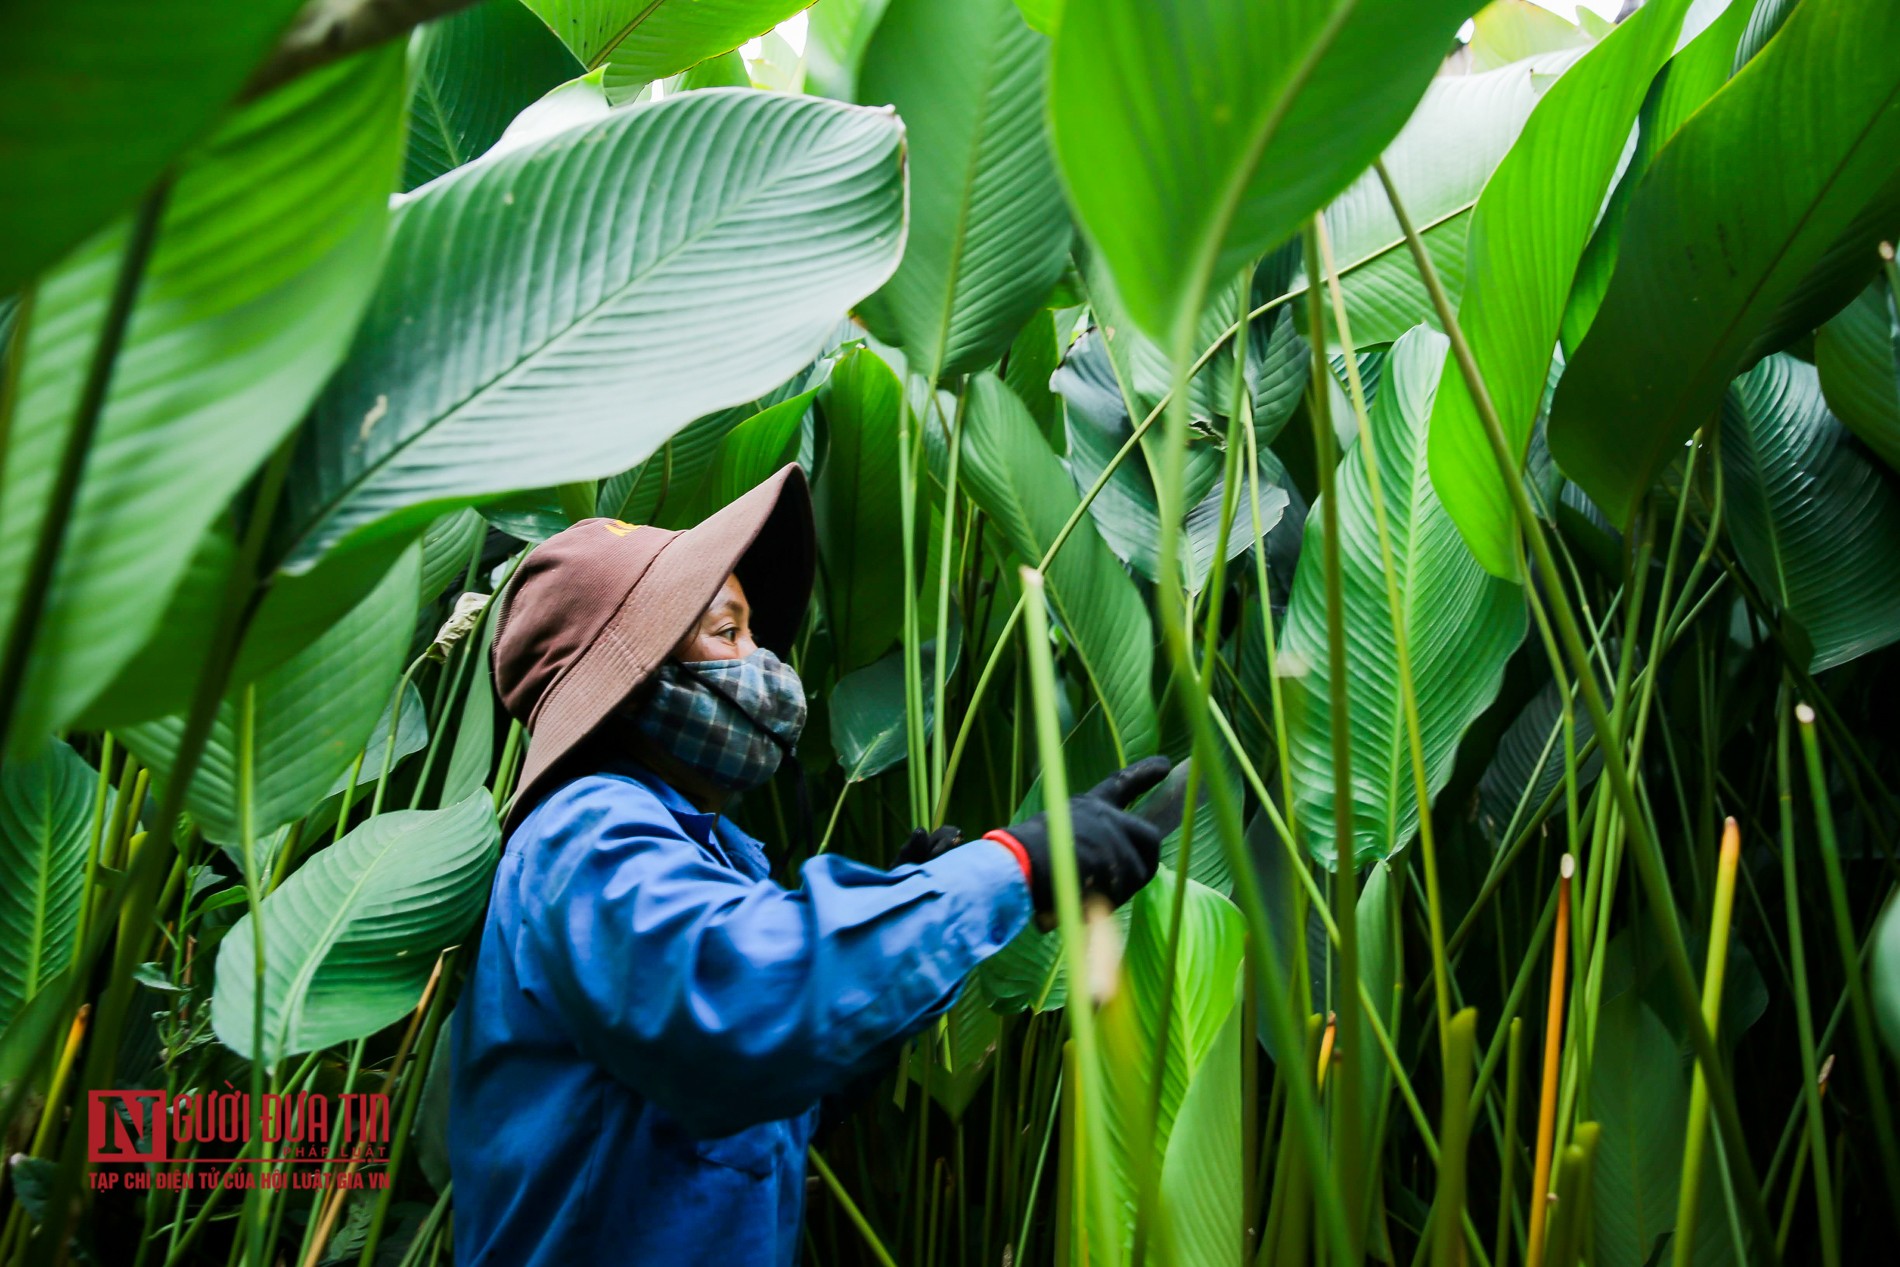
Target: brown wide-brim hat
(596,608)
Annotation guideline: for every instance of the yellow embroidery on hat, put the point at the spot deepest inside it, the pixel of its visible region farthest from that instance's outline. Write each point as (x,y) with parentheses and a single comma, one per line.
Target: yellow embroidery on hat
(619,527)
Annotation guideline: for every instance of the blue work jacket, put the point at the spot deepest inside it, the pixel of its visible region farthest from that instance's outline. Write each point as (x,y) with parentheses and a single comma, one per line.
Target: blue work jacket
(641,1046)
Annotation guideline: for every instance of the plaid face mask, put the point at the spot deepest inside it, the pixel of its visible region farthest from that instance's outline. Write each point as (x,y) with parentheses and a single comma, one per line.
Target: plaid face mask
(731,720)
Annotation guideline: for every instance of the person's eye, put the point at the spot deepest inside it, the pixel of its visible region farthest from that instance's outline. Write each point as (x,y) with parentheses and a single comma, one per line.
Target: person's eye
(730,632)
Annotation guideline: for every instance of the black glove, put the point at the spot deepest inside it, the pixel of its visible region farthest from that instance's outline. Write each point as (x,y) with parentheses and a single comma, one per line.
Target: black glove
(926,845)
(1115,852)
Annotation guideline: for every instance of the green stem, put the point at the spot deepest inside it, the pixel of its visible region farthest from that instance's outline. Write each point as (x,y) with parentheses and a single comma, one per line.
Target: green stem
(1648,857)
(1816,1137)
(1682,1243)
(1867,1051)
(1507,1147)
(851,1210)
(261,1061)
(1092,1128)
(909,448)
(1459,1040)
(1401,641)
(1003,641)
(414,1076)
(1347,1111)
(944,570)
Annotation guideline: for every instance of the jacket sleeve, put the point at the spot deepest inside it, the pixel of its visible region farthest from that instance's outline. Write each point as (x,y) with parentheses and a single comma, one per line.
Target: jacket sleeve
(728,1001)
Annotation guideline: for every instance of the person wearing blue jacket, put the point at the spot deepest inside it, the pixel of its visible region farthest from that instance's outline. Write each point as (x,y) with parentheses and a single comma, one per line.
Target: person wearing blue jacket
(640,1048)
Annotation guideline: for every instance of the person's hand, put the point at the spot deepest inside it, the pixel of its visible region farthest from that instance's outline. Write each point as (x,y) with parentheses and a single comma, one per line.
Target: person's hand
(1115,852)
(926,845)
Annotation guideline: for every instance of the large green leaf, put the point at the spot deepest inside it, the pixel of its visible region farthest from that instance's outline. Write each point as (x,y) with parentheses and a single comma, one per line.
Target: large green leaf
(1203,1202)
(45,830)
(988,232)
(1213,938)
(447,546)
(1463,127)
(1507,31)
(1701,65)
(1127,511)
(351,937)
(474,72)
(556,313)
(311,716)
(867,711)
(1816,522)
(1194,135)
(835,38)
(268,252)
(474,745)
(1639,1095)
(1528,232)
(99,98)
(1885,971)
(1858,355)
(857,509)
(639,41)
(1461,625)
(1011,473)
(1529,763)
(961,1060)
(1731,266)
(659,489)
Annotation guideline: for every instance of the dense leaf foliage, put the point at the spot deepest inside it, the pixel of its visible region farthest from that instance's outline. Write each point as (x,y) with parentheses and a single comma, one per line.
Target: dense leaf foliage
(1470,455)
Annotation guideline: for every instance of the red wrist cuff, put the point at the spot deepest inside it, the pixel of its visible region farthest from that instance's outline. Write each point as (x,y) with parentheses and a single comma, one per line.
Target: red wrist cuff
(1015,847)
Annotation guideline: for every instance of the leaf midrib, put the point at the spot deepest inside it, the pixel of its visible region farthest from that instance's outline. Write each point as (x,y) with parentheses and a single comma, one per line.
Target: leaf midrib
(967,189)
(347,492)
(1207,250)
(1752,293)
(297,992)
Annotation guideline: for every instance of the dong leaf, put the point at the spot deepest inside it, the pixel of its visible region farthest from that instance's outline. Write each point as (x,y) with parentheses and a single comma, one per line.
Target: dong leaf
(447,545)
(474,72)
(1507,31)
(351,937)
(1195,135)
(958,1065)
(310,717)
(1203,1202)
(1461,625)
(1528,232)
(867,711)
(1816,522)
(661,489)
(558,312)
(1127,511)
(1203,985)
(1009,470)
(267,253)
(1462,128)
(857,509)
(988,232)
(639,41)
(1858,356)
(1701,65)
(835,38)
(1730,266)
(46,811)
(100,98)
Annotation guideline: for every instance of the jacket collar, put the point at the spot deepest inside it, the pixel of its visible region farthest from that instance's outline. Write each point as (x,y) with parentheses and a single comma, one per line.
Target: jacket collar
(696,824)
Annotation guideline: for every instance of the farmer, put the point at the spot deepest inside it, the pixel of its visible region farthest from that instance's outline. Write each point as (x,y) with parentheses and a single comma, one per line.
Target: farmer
(651,1021)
